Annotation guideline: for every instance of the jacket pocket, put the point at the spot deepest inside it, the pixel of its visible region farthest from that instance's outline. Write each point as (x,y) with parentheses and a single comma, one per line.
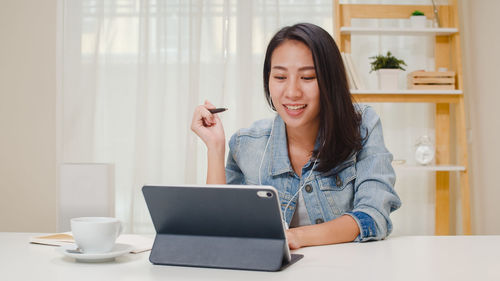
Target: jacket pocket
(340,180)
(338,190)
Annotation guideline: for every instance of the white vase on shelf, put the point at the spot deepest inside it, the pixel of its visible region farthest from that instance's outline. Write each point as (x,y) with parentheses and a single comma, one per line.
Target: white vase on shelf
(418,21)
(388,78)
(424,151)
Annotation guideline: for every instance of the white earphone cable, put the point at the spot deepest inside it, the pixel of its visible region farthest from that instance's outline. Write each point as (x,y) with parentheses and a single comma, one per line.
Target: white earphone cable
(291,199)
(303,184)
(265,150)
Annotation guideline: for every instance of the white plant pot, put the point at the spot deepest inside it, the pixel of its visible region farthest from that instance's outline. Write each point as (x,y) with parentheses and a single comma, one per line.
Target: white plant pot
(418,21)
(388,78)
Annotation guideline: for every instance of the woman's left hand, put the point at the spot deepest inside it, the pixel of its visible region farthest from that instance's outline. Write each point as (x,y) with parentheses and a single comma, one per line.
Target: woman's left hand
(293,239)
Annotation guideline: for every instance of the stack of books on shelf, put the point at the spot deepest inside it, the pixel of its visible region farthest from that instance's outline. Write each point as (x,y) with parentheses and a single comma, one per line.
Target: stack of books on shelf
(355,82)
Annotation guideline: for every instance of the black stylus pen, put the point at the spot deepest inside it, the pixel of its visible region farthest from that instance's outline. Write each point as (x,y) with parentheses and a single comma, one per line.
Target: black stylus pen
(217,110)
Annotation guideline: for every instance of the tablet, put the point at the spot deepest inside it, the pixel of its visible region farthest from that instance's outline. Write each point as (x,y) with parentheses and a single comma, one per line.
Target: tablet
(228,226)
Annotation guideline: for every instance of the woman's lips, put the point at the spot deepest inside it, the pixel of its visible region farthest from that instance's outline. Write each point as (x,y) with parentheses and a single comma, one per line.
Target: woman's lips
(294,109)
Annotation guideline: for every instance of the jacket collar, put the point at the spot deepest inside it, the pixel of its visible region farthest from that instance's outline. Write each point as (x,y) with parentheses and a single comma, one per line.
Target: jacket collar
(280,162)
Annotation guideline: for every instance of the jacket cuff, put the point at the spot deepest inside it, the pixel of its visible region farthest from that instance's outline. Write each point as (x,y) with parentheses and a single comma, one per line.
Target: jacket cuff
(366,224)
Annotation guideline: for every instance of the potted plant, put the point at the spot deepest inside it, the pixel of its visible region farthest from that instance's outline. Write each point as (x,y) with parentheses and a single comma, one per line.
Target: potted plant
(387,68)
(418,19)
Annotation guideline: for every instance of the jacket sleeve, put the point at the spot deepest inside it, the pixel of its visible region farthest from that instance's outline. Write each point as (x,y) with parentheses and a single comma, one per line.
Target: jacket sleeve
(374,197)
(233,172)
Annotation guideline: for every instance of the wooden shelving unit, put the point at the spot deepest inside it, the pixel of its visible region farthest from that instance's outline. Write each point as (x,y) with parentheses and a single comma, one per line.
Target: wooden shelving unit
(447,55)
(435,168)
(406,92)
(397,31)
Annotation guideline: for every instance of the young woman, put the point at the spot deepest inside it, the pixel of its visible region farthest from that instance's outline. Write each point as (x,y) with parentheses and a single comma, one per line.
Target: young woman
(325,155)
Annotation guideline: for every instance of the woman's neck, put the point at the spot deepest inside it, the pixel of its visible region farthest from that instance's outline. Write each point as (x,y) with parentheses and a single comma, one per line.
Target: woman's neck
(300,146)
(302,138)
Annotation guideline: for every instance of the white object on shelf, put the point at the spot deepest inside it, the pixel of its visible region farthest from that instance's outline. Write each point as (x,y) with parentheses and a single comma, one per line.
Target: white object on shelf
(418,21)
(388,79)
(397,31)
(355,75)
(424,151)
(350,79)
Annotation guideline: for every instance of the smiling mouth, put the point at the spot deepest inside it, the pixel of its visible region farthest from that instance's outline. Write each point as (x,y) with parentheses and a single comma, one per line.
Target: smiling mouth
(295,107)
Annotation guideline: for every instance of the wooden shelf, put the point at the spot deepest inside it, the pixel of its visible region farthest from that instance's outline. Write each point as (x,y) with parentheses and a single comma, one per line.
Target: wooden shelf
(408,92)
(447,54)
(397,31)
(409,96)
(432,168)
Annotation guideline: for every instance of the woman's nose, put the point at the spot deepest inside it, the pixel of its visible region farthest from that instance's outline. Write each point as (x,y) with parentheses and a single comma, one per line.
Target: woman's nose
(293,90)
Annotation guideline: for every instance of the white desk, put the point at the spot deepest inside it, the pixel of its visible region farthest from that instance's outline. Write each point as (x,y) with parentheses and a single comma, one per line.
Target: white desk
(420,258)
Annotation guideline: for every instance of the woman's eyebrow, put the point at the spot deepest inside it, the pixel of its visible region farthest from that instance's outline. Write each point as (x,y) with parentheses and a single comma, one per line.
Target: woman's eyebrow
(300,69)
(307,68)
(279,67)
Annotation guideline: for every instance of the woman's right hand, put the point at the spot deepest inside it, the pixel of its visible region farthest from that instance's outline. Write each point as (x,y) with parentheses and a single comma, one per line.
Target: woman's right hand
(208,126)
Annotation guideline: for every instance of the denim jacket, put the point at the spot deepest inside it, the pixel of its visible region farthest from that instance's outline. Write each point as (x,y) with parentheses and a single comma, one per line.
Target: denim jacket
(361,187)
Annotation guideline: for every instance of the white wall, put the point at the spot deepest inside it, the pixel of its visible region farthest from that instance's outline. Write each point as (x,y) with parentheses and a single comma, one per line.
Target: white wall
(481,45)
(27,115)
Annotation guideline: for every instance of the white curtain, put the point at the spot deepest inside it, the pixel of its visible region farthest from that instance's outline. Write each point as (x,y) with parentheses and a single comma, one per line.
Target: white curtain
(133,71)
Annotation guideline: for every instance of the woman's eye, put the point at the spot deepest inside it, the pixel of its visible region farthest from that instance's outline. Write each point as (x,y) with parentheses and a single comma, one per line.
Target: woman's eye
(279,77)
(309,77)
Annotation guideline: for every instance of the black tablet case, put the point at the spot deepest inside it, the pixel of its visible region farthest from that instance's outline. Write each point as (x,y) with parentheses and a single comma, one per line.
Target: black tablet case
(206,226)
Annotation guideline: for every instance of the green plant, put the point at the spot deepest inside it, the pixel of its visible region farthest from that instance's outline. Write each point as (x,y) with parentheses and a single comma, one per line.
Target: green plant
(417,13)
(388,61)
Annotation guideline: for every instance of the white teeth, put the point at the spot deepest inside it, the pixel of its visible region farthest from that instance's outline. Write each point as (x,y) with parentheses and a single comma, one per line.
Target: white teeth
(295,107)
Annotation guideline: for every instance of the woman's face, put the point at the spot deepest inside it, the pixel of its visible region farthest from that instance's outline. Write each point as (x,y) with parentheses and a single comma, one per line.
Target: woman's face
(293,85)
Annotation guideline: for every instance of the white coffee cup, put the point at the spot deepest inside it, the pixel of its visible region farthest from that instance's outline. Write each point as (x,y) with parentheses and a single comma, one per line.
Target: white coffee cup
(95,235)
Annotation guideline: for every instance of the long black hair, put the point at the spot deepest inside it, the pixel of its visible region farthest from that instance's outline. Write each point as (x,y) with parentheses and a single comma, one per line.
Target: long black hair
(339,121)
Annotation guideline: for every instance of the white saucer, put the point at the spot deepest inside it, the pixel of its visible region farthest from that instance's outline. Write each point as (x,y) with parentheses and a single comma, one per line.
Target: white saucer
(118,250)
